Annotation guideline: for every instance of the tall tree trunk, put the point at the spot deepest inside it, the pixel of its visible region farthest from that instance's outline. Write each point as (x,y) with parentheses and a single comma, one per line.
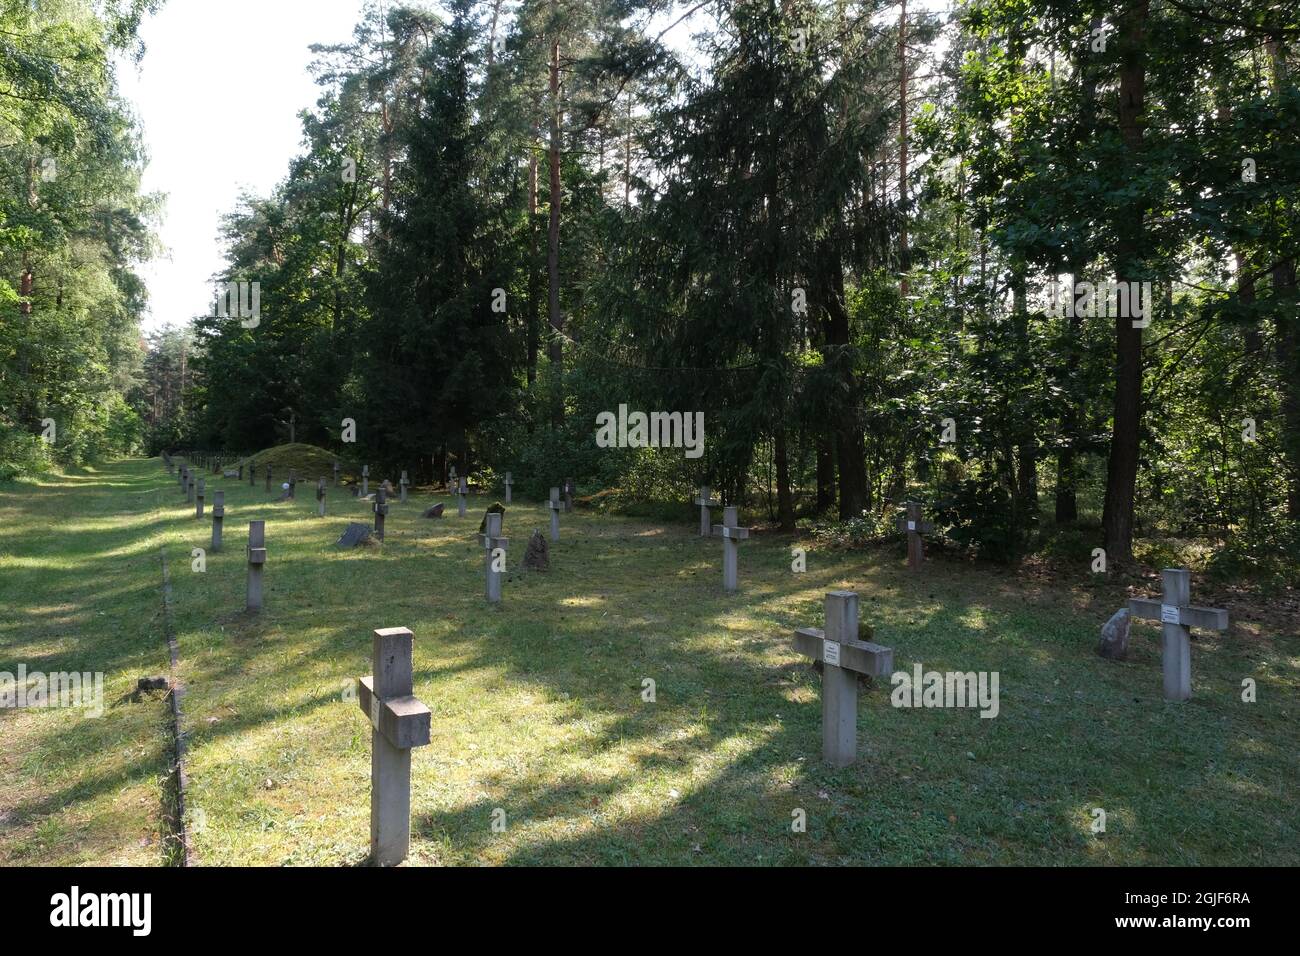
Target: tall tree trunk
(825,473)
(1027,449)
(534,283)
(1067,477)
(902,149)
(1121,470)
(553,241)
(1287,311)
(784,497)
(850,450)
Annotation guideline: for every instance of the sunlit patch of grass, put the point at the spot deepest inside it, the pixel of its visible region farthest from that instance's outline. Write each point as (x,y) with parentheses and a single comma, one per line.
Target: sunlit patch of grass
(538,709)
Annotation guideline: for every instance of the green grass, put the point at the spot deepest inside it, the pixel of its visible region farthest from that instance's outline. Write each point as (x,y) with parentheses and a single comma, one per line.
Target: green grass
(537,704)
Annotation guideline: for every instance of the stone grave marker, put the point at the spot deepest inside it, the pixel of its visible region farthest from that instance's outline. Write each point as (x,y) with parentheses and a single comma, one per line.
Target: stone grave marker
(268,479)
(555,506)
(915,527)
(433,511)
(252,472)
(320,496)
(461,492)
(731,537)
(354,534)
(365,480)
(537,556)
(398,723)
(336,474)
(509,482)
(402,485)
(706,502)
(198,501)
(494,547)
(256,562)
(381,512)
(1114,636)
(843,657)
(293,484)
(189,488)
(218,516)
(568,495)
(1177,616)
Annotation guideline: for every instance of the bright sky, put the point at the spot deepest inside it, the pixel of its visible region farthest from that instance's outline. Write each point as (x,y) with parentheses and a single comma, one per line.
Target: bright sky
(218,93)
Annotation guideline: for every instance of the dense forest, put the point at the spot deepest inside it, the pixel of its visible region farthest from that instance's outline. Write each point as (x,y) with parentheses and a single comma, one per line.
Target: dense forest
(1031,262)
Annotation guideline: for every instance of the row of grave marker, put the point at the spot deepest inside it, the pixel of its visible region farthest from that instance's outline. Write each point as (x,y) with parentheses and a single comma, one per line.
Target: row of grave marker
(401,722)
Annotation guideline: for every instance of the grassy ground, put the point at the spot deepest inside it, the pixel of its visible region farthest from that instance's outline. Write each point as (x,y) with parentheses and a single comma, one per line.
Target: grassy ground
(538,710)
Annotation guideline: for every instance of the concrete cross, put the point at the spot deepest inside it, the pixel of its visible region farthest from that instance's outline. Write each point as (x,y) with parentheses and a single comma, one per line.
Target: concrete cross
(705,503)
(218,516)
(252,472)
(491,541)
(402,484)
(568,495)
(365,480)
(731,538)
(398,722)
(915,527)
(336,474)
(293,483)
(1177,615)
(509,481)
(452,484)
(320,496)
(462,491)
(268,478)
(189,487)
(256,561)
(381,512)
(555,506)
(198,506)
(843,658)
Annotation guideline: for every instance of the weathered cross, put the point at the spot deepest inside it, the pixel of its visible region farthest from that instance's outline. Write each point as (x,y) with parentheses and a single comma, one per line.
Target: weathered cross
(509,481)
(336,474)
(495,547)
(268,478)
(198,507)
(915,527)
(218,516)
(461,492)
(731,537)
(320,496)
(381,512)
(365,480)
(256,561)
(568,495)
(402,484)
(1177,615)
(180,477)
(705,502)
(398,722)
(252,472)
(555,506)
(293,483)
(189,487)
(843,658)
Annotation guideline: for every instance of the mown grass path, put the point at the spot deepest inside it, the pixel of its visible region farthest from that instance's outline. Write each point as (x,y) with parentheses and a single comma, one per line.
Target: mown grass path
(538,707)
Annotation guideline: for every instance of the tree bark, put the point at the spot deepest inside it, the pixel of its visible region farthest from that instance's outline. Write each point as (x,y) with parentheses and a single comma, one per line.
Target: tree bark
(825,473)
(553,242)
(1121,469)
(784,498)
